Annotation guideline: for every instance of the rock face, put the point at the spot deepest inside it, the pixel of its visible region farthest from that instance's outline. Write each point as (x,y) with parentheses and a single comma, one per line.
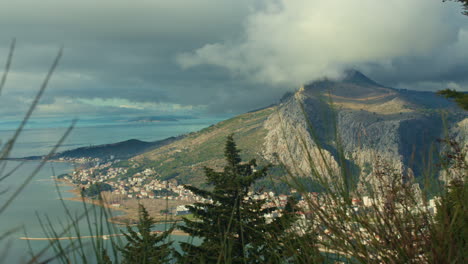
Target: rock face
(353,121)
(358,122)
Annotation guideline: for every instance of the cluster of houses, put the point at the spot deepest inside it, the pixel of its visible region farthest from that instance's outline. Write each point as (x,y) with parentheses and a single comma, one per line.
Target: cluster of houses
(139,185)
(144,184)
(81,160)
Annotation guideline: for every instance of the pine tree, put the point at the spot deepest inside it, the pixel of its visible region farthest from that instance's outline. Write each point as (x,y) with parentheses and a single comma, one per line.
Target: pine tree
(144,246)
(232,224)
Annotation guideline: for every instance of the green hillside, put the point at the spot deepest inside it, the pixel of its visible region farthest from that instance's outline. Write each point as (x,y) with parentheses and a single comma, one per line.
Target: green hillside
(185,159)
(369,118)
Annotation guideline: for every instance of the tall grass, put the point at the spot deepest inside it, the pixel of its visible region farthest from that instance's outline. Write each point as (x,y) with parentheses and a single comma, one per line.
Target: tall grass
(396,224)
(56,250)
(387,221)
(8,196)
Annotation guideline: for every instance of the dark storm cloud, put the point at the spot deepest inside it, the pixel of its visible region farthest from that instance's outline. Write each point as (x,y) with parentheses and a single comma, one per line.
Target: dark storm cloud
(294,42)
(118,49)
(220,56)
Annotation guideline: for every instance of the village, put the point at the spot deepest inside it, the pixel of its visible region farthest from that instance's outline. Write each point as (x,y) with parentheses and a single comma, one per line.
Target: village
(145,185)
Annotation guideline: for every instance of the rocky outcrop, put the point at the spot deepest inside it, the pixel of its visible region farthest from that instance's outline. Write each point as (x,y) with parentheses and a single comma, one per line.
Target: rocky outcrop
(290,140)
(362,121)
(330,129)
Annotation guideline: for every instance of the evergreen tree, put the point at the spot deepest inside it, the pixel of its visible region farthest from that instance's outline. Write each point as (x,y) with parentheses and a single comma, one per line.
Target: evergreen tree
(144,246)
(450,229)
(232,225)
(451,226)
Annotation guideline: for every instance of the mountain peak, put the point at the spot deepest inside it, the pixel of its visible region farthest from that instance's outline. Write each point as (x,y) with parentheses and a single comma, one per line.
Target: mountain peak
(356,77)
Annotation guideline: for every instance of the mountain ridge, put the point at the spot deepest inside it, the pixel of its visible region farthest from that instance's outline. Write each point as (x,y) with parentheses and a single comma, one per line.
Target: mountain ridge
(371,120)
(370,117)
(119,150)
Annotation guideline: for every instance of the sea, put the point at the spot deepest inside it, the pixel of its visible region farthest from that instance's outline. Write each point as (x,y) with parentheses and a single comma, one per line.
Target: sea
(41,206)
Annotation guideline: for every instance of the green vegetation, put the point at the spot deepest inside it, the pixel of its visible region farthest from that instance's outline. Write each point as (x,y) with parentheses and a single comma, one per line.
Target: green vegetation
(233,225)
(396,227)
(451,221)
(164,193)
(144,246)
(459,97)
(122,164)
(186,158)
(451,224)
(95,189)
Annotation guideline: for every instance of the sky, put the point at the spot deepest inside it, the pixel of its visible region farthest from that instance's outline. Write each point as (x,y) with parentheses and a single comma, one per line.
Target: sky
(216,57)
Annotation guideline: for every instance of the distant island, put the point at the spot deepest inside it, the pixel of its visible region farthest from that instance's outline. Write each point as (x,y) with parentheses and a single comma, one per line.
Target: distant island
(155,119)
(120,150)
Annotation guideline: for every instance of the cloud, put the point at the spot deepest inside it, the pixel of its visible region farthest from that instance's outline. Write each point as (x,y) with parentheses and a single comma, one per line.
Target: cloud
(445,67)
(219,56)
(294,42)
(120,49)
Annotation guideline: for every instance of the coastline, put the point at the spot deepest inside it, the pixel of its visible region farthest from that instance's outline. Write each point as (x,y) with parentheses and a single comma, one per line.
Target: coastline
(128,216)
(78,198)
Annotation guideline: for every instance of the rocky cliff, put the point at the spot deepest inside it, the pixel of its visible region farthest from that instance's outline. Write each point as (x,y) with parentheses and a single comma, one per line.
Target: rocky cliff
(358,122)
(353,121)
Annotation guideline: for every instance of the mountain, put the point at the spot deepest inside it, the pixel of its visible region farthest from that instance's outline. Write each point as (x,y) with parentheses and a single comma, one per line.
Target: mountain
(184,159)
(371,120)
(120,150)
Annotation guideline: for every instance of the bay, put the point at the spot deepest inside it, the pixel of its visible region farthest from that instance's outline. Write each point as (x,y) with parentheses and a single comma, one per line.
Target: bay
(40,198)
(40,139)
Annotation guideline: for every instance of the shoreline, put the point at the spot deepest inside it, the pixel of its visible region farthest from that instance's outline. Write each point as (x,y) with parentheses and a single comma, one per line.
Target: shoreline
(78,198)
(122,220)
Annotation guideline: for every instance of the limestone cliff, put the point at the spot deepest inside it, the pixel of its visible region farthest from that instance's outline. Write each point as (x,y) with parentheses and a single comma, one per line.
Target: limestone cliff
(362,121)
(354,118)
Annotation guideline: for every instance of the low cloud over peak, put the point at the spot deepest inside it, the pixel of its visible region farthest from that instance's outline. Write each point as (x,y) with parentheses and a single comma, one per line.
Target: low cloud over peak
(293,42)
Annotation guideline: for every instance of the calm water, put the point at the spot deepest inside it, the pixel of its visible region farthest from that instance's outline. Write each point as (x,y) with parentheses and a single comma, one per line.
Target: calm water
(40,198)
(38,139)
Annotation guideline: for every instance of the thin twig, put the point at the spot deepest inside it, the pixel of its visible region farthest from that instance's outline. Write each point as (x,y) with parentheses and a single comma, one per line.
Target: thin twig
(7,65)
